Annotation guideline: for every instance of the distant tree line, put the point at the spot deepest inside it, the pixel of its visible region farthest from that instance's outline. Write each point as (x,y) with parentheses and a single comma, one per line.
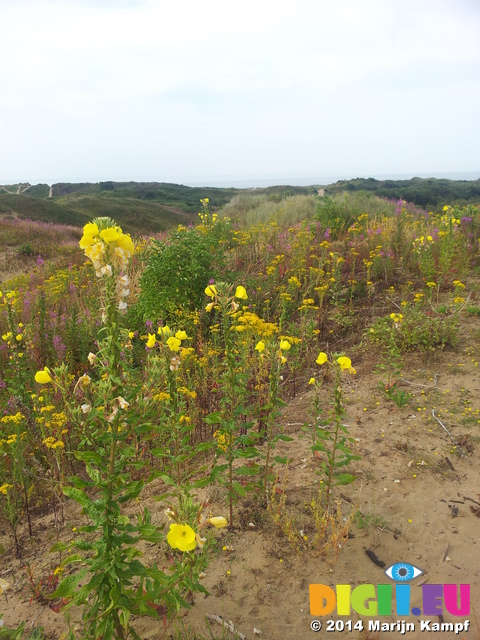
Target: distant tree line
(425,192)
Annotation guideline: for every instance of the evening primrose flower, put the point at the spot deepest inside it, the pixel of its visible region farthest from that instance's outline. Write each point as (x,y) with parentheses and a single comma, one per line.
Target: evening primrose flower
(110,234)
(92,358)
(174,343)
(260,346)
(182,537)
(151,340)
(322,358)
(164,331)
(241,293)
(285,345)
(181,335)
(3,583)
(122,402)
(311,381)
(209,306)
(90,230)
(86,408)
(344,362)
(218,521)
(43,377)
(84,380)
(211,291)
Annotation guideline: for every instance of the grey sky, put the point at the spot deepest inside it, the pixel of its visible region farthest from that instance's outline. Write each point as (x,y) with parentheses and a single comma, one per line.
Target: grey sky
(199,91)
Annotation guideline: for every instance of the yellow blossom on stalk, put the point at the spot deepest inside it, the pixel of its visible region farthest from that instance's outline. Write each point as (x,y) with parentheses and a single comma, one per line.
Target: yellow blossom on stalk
(241,293)
(344,362)
(218,521)
(260,346)
(285,345)
(182,537)
(211,291)
(322,358)
(311,381)
(181,335)
(125,242)
(164,331)
(174,343)
(110,234)
(90,230)
(4,490)
(151,340)
(209,306)
(43,377)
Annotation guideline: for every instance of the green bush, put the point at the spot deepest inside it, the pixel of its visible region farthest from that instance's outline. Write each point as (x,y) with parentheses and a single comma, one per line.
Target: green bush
(176,274)
(418,331)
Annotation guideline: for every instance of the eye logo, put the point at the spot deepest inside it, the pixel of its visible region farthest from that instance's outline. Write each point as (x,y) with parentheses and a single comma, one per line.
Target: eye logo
(403,572)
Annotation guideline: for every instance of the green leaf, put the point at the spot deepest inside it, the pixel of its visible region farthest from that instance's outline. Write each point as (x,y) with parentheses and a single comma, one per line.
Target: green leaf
(284,438)
(281,459)
(79,496)
(344,478)
(247,471)
(89,456)
(239,489)
(67,587)
(76,557)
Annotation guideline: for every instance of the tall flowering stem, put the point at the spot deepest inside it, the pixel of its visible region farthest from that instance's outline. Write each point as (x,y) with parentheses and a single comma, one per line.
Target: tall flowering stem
(118,585)
(335,443)
(235,444)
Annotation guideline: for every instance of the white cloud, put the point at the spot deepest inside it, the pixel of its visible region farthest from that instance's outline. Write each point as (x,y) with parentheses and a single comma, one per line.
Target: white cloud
(264,86)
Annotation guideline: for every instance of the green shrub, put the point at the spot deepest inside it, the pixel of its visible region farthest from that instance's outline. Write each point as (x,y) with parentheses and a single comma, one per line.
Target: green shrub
(418,331)
(176,274)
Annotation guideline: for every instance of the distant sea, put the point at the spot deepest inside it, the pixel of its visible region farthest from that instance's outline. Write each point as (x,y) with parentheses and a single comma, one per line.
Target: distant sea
(302,181)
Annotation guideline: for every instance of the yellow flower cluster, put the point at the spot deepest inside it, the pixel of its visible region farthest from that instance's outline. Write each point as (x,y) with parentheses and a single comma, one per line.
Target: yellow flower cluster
(109,249)
(13,419)
(5,487)
(51,443)
(251,322)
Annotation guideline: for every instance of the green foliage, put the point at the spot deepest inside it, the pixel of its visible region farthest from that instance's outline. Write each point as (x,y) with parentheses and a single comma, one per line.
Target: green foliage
(419,330)
(427,192)
(176,274)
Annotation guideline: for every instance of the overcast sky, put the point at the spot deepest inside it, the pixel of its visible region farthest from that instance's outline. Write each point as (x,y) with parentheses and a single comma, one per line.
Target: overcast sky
(215,91)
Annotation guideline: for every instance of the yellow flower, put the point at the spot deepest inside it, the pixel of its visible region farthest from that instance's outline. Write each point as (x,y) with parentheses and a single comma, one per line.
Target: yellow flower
(218,521)
(174,343)
(125,242)
(3,586)
(283,359)
(90,230)
(260,346)
(164,331)
(209,306)
(241,293)
(285,345)
(322,358)
(181,335)
(151,340)
(344,362)
(43,377)
(181,537)
(311,381)
(211,291)
(110,235)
